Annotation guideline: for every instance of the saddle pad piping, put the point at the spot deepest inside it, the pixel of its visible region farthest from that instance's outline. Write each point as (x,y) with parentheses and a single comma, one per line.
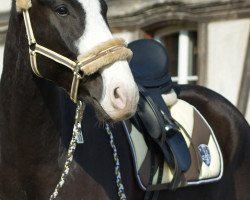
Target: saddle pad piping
(134,156)
(210,180)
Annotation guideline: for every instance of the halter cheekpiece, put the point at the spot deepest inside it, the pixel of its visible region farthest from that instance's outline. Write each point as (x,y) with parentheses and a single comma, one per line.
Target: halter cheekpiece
(92,61)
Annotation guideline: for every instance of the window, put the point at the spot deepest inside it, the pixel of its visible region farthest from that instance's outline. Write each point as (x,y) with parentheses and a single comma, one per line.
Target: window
(182,52)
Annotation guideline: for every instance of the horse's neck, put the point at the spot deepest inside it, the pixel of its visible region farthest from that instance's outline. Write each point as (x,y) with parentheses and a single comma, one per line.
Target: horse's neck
(28,129)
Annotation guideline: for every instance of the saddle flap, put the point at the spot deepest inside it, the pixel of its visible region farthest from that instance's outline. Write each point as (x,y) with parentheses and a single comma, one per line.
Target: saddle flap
(149,115)
(178,146)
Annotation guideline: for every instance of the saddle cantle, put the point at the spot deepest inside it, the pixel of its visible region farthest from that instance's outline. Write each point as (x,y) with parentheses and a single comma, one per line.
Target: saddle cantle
(154,122)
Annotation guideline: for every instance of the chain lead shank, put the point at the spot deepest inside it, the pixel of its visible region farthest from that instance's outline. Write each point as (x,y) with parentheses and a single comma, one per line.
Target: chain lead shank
(72,147)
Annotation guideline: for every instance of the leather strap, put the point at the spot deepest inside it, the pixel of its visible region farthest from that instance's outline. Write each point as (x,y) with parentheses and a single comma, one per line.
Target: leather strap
(159,124)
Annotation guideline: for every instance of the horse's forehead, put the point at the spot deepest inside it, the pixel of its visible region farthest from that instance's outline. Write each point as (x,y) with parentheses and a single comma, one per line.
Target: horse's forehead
(96,29)
(91,6)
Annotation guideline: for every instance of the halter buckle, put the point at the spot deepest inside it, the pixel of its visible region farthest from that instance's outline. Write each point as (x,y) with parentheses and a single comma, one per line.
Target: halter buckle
(33,63)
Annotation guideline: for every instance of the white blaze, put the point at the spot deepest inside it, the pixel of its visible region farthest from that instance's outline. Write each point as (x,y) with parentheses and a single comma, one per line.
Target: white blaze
(118,75)
(96,29)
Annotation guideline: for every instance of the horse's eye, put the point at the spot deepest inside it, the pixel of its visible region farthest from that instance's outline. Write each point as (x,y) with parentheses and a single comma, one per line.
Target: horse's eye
(62,10)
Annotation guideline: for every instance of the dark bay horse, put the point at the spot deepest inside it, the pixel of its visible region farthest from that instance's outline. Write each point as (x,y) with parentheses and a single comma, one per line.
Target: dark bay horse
(36,116)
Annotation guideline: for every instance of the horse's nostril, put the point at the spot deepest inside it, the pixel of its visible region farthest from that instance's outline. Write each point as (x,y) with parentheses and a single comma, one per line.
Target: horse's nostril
(119,98)
(116,94)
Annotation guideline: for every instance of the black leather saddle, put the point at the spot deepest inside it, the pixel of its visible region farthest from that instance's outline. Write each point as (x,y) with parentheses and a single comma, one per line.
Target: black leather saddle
(149,66)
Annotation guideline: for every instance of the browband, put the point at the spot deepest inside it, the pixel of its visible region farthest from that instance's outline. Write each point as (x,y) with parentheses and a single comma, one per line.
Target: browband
(98,57)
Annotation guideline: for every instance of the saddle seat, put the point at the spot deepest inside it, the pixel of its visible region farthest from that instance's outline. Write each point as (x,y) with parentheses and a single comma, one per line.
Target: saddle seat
(169,155)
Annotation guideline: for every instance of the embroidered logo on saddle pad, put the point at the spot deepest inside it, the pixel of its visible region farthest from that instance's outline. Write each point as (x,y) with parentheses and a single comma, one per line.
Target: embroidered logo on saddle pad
(205,154)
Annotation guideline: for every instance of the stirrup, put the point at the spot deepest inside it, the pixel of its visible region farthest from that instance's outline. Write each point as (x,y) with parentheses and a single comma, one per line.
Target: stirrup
(155,118)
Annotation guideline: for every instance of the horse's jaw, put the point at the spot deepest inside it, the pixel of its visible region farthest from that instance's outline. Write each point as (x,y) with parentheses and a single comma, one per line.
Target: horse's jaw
(120,93)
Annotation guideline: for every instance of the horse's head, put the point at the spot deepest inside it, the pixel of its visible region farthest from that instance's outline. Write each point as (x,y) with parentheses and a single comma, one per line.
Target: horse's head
(72,28)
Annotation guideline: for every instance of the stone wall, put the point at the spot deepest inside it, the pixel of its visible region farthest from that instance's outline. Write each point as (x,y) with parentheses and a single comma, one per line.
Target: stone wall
(126,7)
(151,13)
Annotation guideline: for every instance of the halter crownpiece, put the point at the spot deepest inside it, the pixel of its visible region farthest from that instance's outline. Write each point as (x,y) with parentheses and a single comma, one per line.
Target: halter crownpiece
(96,58)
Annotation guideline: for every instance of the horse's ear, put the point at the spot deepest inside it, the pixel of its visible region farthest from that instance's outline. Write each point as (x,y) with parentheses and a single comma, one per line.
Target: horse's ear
(23,5)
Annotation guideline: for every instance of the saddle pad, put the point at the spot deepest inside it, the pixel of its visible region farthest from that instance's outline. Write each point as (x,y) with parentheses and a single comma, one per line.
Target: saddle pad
(207,162)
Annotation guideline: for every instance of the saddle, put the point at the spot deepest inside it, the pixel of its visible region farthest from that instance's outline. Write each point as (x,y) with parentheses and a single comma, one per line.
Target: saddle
(153,115)
(153,124)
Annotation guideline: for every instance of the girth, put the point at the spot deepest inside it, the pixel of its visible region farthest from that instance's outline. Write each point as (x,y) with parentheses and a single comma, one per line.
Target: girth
(98,57)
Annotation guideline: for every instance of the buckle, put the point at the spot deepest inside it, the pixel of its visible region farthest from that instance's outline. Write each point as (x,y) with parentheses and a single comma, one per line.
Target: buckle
(172,128)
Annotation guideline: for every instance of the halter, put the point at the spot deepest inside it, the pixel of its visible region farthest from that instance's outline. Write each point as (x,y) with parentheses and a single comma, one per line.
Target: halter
(89,63)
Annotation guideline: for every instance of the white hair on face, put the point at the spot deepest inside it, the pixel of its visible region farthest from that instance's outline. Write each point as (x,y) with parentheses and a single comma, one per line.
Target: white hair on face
(96,29)
(117,76)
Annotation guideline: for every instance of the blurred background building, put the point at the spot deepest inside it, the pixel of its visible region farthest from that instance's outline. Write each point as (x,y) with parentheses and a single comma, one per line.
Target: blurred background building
(4,17)
(207,40)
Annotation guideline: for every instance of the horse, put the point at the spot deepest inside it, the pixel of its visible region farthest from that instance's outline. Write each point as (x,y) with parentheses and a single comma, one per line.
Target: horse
(30,106)
(37,114)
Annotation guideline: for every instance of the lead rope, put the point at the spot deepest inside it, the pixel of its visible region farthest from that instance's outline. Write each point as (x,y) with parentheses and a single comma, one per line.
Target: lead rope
(121,191)
(72,147)
(77,138)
